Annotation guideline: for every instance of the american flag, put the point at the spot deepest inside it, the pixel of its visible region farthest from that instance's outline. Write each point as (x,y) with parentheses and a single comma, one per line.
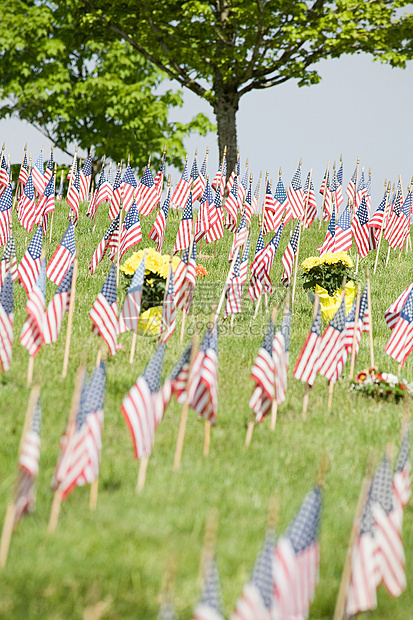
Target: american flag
(157,232)
(361,592)
(80,462)
(129,317)
(297,560)
(32,334)
(168,311)
(387,531)
(57,308)
(116,195)
(210,607)
(261,266)
(185,278)
(231,203)
(8,261)
(296,195)
(6,322)
(240,236)
(159,180)
(38,175)
(85,177)
(6,202)
(73,195)
(182,191)
(24,171)
(403,230)
(343,239)
(402,479)
(243,270)
(351,187)
(255,197)
(46,204)
(257,598)
(213,212)
(329,240)
(311,205)
(289,256)
(109,240)
(203,382)
(363,325)
(255,285)
(104,312)
(216,231)
(360,229)
(178,378)
(60,190)
(128,188)
(131,233)
(147,193)
(331,344)
(29,267)
(280,200)
(196,194)
(400,343)
(280,355)
(249,206)
(26,205)
(263,373)
(63,256)
(269,223)
(183,236)
(49,168)
(198,187)
(29,458)
(144,406)
(202,224)
(105,191)
(220,178)
(333,191)
(392,313)
(361,192)
(391,232)
(306,364)
(234,291)
(338,186)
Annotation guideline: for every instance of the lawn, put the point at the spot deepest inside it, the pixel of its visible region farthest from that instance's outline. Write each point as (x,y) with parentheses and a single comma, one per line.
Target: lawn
(118,554)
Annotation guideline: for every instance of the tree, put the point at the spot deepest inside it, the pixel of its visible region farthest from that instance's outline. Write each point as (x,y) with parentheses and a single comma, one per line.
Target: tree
(78,89)
(223,49)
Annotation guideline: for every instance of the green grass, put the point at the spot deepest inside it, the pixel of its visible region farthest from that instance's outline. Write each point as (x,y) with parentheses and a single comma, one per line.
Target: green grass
(120,552)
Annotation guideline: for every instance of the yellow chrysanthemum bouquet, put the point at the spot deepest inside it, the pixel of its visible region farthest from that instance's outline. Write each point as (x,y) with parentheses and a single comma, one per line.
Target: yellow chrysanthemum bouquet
(324,275)
(156,271)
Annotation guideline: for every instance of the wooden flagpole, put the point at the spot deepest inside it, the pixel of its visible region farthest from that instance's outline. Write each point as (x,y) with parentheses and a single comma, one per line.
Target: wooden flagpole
(324,195)
(143,466)
(74,408)
(382,226)
(208,548)
(135,332)
(54,196)
(118,250)
(370,316)
(184,413)
(353,344)
(93,500)
(8,525)
(331,382)
(307,387)
(70,318)
(346,574)
(274,404)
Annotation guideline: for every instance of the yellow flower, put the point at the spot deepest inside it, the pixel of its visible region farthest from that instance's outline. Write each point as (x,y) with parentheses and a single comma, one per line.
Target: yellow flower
(330,259)
(310,262)
(163,269)
(153,262)
(345,259)
(130,266)
(175,262)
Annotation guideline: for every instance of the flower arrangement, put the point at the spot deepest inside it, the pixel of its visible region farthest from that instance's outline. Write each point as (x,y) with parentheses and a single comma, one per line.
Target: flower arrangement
(328,271)
(380,385)
(200,271)
(324,275)
(156,271)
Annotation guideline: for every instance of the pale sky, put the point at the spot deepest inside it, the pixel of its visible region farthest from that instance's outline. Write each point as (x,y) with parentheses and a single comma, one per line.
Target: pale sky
(359,108)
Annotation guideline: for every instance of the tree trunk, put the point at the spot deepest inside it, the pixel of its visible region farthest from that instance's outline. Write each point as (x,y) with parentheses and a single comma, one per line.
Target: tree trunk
(225,110)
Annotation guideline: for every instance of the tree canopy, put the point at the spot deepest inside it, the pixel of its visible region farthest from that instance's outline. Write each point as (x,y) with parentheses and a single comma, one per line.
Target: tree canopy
(76,88)
(224,49)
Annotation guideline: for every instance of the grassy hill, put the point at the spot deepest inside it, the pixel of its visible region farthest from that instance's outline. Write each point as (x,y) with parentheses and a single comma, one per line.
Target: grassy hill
(120,551)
